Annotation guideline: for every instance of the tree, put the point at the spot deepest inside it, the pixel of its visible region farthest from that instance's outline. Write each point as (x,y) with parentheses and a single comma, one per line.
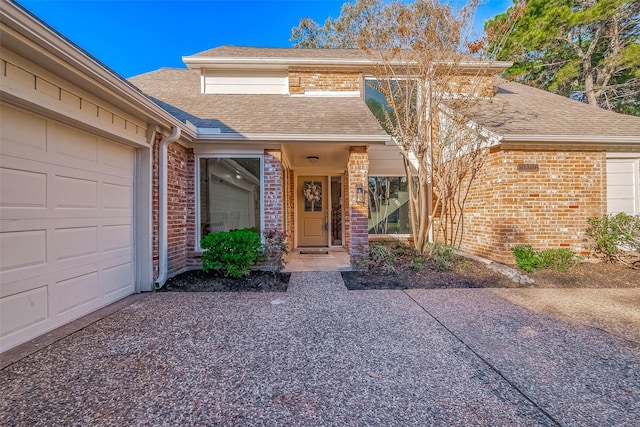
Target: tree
(585,49)
(432,77)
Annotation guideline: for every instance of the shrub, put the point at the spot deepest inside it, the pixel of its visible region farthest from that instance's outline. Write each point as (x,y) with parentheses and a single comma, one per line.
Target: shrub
(560,259)
(441,255)
(231,252)
(526,257)
(275,248)
(382,257)
(616,238)
(418,262)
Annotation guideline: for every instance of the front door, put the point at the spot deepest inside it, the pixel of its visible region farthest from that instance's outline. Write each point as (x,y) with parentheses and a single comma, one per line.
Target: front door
(313,215)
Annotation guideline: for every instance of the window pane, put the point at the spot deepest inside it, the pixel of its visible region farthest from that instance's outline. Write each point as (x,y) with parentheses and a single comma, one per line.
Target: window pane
(388,205)
(312,191)
(229,194)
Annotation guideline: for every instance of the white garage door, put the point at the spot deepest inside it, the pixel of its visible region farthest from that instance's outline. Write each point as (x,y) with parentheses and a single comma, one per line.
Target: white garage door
(622,186)
(66,224)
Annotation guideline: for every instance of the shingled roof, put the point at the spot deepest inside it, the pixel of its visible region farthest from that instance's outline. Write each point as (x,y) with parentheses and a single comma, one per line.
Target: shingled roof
(268,52)
(178,91)
(520,110)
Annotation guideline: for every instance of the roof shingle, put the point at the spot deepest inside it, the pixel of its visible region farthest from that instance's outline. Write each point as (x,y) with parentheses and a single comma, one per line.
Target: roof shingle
(518,109)
(178,91)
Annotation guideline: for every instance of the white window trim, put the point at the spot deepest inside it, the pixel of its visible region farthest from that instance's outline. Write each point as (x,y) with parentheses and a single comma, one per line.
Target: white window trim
(225,155)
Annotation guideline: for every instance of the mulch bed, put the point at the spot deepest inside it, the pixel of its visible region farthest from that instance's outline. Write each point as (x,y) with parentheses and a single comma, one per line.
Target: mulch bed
(199,281)
(473,274)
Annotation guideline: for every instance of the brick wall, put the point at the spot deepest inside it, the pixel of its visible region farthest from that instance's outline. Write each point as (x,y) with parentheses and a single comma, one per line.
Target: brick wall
(180,208)
(358,217)
(291,207)
(273,215)
(547,208)
(301,81)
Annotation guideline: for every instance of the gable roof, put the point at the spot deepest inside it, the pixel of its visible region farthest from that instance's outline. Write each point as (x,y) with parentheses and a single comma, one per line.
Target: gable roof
(261,57)
(229,51)
(523,113)
(259,116)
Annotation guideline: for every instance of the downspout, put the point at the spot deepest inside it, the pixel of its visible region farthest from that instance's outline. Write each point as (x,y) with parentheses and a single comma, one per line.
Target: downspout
(163,206)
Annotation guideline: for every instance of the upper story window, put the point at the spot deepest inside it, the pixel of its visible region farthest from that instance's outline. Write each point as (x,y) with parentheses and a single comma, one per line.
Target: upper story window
(249,82)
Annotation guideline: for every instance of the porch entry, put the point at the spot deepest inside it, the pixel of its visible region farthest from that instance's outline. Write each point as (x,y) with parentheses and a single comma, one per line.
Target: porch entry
(319,212)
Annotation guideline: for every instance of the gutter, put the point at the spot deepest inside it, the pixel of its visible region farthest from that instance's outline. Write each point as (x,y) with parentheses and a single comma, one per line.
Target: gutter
(163,253)
(581,139)
(205,134)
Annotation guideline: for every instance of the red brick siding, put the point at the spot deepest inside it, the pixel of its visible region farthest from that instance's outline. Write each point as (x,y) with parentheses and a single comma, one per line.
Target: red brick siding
(547,208)
(357,170)
(301,81)
(291,207)
(272,191)
(180,208)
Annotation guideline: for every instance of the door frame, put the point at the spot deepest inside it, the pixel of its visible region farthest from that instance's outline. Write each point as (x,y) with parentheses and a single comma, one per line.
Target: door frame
(296,216)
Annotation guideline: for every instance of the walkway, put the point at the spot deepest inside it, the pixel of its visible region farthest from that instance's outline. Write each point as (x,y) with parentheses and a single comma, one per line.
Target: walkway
(318,259)
(320,355)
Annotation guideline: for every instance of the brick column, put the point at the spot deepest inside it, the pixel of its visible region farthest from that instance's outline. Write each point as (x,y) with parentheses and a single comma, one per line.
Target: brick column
(273,214)
(358,188)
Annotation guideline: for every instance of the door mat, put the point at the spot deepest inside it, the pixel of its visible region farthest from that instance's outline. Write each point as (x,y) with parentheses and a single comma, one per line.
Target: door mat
(314,252)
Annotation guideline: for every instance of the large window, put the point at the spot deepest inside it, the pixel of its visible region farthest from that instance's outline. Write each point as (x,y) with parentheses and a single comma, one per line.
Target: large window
(388,205)
(229,194)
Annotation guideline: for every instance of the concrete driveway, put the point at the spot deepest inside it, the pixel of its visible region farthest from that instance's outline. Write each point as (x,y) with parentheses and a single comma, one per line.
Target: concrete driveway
(321,355)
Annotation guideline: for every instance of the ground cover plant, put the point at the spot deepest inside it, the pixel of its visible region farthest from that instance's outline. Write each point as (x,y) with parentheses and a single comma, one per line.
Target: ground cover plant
(396,266)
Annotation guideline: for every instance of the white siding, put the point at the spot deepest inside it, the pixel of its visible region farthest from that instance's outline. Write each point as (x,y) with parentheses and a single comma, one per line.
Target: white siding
(231,82)
(623,186)
(66,224)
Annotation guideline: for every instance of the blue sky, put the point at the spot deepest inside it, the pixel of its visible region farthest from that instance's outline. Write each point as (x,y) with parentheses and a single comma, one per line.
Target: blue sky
(136,36)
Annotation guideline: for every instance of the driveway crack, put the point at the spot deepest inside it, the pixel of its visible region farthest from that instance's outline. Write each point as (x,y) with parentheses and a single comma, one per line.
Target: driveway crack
(486,362)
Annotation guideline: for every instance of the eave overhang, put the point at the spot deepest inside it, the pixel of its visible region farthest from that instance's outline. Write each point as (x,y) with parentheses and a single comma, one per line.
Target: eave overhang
(571,142)
(205,135)
(363,64)
(51,50)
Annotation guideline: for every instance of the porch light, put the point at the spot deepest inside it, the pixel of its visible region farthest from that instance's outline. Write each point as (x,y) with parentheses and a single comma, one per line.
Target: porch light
(313,159)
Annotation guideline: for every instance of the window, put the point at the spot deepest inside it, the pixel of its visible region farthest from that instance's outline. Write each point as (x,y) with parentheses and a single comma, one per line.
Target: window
(388,205)
(230,196)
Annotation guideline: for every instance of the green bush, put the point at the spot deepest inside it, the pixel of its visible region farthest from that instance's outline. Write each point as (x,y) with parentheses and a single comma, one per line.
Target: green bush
(382,258)
(609,234)
(441,255)
(418,262)
(560,259)
(526,257)
(231,252)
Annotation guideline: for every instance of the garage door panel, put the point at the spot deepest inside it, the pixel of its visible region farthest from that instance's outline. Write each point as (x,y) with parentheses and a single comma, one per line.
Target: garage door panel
(72,192)
(116,237)
(617,179)
(116,159)
(623,188)
(22,310)
(116,196)
(27,135)
(22,189)
(22,249)
(72,145)
(76,291)
(75,242)
(117,278)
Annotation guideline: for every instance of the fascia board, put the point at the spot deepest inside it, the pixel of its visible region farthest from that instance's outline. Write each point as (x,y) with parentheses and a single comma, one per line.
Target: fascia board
(34,33)
(284,63)
(577,139)
(337,138)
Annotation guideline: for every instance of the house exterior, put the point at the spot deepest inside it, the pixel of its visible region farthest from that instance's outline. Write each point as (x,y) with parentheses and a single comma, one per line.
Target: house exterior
(108,185)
